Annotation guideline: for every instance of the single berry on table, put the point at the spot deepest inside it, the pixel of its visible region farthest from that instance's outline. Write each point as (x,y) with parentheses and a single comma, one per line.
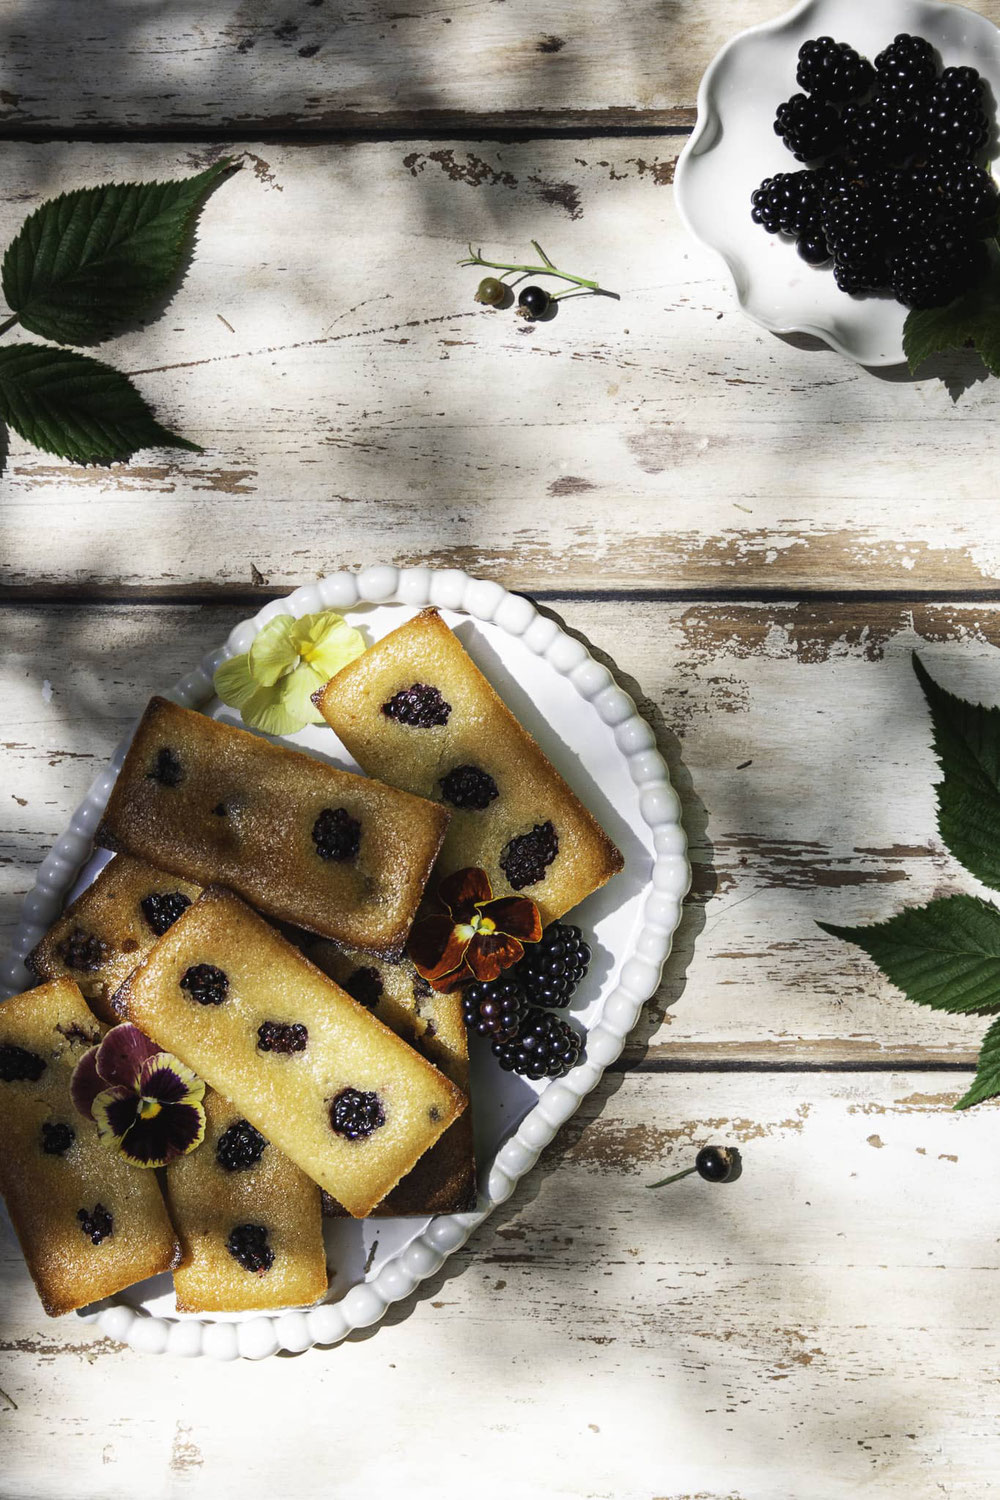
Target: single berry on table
(239,1147)
(545,1046)
(205,983)
(833,71)
(491,291)
(247,1244)
(533,302)
(494,1009)
(810,128)
(552,968)
(716,1163)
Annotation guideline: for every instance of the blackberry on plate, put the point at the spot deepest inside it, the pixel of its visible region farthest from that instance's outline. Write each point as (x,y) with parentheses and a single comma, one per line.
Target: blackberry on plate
(813,248)
(881,133)
(552,968)
(810,128)
(952,127)
(938,270)
(906,68)
(205,983)
(495,1010)
(544,1047)
(247,1244)
(955,194)
(789,202)
(162,908)
(336,834)
(239,1147)
(833,71)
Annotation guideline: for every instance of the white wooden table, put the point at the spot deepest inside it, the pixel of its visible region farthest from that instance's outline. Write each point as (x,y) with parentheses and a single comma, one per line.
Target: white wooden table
(754,534)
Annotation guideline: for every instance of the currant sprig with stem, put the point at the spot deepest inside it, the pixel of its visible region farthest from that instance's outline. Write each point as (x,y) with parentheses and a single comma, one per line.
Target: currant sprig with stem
(489,288)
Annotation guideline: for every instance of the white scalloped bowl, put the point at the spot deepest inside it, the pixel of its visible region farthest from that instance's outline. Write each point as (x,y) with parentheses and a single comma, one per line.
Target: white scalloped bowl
(591,730)
(734,147)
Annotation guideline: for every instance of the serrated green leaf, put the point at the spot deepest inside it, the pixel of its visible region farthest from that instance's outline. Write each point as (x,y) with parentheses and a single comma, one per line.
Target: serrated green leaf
(986,1083)
(77,407)
(972,318)
(945,955)
(89,262)
(967,744)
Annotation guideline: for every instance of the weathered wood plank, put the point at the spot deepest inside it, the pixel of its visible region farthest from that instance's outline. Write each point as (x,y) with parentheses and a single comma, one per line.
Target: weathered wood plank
(271,66)
(801,730)
(688,1342)
(356,405)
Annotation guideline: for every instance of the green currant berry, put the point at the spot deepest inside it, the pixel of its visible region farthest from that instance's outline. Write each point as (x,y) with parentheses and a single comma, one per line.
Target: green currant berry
(491,292)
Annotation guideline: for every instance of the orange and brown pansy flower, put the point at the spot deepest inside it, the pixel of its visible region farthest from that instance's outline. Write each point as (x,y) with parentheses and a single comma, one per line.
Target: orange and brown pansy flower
(475,937)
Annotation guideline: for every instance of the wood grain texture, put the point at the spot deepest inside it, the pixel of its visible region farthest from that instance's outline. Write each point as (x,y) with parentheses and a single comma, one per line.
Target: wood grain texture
(824,1326)
(355,405)
(796,735)
(270,66)
(291,66)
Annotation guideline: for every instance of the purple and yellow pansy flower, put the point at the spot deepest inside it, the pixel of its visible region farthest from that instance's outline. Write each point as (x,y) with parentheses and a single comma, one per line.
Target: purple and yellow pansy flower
(146,1103)
(475,937)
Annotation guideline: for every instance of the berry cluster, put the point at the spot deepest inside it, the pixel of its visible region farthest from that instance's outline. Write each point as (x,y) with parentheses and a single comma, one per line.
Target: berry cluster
(894,193)
(525,1038)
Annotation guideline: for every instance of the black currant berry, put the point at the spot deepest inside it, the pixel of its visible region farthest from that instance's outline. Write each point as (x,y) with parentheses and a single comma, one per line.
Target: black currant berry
(533,302)
(716,1163)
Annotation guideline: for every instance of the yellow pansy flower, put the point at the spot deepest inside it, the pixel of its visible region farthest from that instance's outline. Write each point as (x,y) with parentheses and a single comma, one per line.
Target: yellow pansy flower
(272,684)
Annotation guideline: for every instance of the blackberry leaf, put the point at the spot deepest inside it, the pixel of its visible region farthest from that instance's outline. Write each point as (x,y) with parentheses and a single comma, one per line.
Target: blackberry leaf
(89,262)
(77,407)
(973,318)
(967,745)
(986,1083)
(945,955)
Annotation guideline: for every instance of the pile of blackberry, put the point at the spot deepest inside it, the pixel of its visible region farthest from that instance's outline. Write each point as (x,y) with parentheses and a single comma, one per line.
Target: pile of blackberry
(895,193)
(525,1037)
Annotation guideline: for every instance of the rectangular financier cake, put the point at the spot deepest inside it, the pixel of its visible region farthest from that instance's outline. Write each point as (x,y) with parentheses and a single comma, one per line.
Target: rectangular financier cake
(321,1078)
(250,1223)
(101,937)
(322,848)
(89,1224)
(444,1179)
(416,711)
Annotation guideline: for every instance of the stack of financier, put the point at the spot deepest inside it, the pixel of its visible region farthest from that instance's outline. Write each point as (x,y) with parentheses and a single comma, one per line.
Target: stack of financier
(336,1082)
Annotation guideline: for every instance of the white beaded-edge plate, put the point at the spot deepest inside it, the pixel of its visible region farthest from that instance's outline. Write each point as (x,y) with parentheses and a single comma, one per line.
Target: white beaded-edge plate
(734,147)
(590,729)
